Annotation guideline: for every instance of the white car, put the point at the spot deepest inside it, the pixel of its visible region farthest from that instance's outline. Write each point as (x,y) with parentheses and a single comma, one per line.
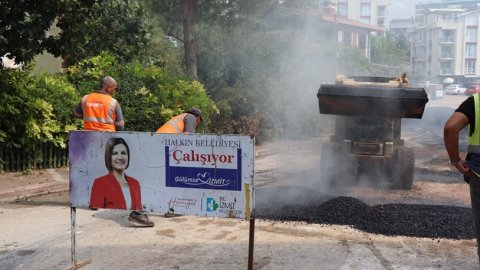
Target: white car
(455,89)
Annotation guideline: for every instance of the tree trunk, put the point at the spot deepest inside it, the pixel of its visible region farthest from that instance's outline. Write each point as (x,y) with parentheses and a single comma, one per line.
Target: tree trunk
(188,21)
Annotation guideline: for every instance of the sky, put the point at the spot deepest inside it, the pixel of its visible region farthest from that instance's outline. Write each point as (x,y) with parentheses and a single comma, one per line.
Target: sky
(401,9)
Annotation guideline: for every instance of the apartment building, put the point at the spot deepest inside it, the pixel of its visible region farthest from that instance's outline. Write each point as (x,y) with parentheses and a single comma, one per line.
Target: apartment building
(421,9)
(373,12)
(325,25)
(444,42)
(399,27)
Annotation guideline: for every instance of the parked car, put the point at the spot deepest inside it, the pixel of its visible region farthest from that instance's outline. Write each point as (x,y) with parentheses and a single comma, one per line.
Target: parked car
(472,89)
(455,89)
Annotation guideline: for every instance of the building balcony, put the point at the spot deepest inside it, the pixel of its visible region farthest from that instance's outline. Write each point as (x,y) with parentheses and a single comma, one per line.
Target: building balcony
(446,56)
(447,24)
(447,40)
(445,71)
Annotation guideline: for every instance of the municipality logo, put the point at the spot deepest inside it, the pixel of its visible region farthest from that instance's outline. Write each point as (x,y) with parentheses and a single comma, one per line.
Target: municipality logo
(212,205)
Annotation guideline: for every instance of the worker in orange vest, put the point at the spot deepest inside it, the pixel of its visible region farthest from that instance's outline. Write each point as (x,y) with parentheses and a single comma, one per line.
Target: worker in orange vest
(183,123)
(101,112)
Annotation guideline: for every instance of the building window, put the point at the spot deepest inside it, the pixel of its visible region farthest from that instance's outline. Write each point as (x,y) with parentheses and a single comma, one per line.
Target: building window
(381,22)
(445,68)
(347,39)
(421,38)
(471,20)
(362,41)
(445,52)
(471,35)
(447,36)
(342,9)
(470,66)
(365,10)
(471,51)
(382,11)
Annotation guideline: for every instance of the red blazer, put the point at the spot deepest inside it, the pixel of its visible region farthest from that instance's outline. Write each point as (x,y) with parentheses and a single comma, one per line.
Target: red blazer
(107,193)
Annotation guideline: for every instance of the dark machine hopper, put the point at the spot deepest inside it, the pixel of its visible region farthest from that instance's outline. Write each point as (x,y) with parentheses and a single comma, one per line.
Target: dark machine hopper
(384,97)
(367,141)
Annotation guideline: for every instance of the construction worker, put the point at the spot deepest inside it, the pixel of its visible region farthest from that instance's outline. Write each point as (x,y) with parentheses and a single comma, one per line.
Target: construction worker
(468,113)
(183,123)
(101,112)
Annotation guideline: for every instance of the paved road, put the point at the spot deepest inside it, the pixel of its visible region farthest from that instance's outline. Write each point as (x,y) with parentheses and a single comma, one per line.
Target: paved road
(36,234)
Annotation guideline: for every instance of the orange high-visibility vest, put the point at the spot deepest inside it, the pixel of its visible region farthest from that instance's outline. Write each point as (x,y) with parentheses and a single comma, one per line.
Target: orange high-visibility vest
(174,125)
(99,112)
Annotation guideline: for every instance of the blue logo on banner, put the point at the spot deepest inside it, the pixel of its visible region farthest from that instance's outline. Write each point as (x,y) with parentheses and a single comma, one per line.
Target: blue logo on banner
(204,178)
(212,205)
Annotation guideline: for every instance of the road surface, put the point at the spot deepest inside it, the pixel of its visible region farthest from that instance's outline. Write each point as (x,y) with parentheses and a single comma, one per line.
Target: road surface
(35,234)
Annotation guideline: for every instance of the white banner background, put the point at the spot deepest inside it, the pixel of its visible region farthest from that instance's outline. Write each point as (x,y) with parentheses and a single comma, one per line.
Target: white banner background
(208,175)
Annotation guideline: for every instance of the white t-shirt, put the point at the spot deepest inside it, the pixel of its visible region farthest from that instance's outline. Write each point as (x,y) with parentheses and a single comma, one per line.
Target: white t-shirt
(126,195)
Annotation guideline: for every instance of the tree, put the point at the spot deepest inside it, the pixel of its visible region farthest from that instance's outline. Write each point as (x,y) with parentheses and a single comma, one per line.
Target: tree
(24,23)
(35,108)
(263,75)
(389,51)
(86,28)
(188,22)
(180,18)
(117,26)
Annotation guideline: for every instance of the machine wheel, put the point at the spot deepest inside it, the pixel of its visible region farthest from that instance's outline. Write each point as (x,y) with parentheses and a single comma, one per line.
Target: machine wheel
(328,166)
(402,168)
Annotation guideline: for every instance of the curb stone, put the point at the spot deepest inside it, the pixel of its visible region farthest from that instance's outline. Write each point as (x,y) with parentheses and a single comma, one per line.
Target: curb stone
(32,190)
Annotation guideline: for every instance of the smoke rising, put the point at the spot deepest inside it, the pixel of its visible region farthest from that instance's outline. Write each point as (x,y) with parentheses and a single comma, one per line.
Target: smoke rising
(291,171)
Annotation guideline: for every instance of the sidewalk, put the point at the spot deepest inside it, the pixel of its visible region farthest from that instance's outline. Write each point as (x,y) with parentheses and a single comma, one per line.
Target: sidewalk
(19,185)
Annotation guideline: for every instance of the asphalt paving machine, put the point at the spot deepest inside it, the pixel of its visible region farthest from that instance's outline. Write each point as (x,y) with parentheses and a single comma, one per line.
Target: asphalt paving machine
(367,140)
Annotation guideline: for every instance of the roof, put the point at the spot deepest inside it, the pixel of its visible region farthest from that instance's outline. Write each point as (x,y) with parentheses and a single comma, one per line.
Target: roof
(334,18)
(328,17)
(400,20)
(446,10)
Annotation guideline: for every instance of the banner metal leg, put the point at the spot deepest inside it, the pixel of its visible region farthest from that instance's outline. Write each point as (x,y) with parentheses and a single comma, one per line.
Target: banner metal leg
(73,229)
(73,217)
(251,239)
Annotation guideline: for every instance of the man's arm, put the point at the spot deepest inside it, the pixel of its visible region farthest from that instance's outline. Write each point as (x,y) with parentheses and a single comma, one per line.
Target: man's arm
(119,122)
(451,132)
(78,113)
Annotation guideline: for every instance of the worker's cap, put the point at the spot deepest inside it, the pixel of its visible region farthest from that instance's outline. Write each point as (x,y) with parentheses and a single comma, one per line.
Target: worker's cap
(196,112)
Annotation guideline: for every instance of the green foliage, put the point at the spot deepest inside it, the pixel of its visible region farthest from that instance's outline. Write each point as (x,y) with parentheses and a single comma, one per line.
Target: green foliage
(353,61)
(87,28)
(149,95)
(262,62)
(35,109)
(63,97)
(117,26)
(389,51)
(264,79)
(23,24)
(85,75)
